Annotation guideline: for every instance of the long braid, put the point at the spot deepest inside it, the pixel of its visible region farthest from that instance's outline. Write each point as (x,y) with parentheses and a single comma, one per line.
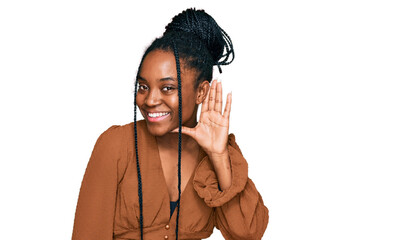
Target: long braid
(201,44)
(140,190)
(179,166)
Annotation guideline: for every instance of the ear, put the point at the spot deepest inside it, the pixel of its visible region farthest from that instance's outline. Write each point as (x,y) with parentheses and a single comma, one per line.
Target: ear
(202,91)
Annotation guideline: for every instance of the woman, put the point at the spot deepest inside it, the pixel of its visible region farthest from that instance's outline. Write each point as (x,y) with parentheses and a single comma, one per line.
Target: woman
(169,176)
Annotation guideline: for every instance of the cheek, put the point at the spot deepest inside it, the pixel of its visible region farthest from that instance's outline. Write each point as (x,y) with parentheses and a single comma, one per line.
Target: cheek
(189,104)
(139,100)
(172,101)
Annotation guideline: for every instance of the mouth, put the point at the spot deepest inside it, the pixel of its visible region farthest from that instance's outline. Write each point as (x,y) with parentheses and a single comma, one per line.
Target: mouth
(157,116)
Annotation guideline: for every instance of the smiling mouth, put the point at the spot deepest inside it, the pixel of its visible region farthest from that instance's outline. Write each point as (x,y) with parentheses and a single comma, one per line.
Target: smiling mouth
(155,117)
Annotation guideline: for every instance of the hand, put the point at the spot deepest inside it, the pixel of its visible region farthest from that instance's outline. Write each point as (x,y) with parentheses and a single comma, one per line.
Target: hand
(211,132)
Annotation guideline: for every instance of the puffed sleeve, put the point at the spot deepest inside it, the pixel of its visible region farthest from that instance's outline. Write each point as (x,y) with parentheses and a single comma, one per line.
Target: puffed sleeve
(240,212)
(94,214)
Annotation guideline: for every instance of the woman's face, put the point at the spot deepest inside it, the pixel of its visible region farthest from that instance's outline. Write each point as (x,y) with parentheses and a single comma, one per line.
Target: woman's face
(157,93)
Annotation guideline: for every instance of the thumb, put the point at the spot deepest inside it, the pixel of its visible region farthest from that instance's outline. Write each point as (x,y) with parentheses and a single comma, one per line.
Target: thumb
(186,130)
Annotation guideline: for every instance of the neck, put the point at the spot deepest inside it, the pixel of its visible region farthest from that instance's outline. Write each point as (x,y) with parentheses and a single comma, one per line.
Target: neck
(170,142)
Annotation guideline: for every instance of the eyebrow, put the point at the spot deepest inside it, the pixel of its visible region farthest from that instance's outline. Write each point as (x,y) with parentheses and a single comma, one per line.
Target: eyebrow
(161,79)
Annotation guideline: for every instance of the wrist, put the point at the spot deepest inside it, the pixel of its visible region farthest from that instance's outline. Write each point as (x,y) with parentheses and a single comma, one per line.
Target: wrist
(215,157)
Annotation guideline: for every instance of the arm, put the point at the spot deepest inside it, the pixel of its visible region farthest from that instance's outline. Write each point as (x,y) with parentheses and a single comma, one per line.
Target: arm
(240,212)
(94,215)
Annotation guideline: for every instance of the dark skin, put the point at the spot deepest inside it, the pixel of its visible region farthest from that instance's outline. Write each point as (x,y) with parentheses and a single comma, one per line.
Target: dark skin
(158,93)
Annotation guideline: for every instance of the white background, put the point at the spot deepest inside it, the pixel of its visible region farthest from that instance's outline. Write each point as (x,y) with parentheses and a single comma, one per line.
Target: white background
(323,108)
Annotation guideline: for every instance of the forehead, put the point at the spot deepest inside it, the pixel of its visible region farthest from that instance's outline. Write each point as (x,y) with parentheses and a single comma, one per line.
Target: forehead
(160,64)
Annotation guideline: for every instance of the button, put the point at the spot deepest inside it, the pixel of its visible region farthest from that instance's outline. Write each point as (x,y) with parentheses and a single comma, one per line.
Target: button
(166,237)
(167,227)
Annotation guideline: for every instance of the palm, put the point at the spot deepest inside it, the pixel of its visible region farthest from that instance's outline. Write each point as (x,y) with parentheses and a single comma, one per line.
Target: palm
(211,132)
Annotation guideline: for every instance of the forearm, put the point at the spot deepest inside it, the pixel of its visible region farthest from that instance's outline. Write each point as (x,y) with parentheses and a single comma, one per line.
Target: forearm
(222,166)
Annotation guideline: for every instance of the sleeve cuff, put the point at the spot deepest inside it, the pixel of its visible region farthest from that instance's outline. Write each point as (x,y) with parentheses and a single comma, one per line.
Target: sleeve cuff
(206,183)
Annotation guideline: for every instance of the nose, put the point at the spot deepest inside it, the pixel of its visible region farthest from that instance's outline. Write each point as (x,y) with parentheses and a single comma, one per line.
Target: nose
(152,98)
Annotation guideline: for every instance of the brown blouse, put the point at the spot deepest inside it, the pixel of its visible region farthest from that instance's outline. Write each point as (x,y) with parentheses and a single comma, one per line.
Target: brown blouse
(108,206)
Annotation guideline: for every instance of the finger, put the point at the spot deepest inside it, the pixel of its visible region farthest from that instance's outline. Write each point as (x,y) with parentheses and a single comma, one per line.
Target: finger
(186,130)
(212,94)
(227,111)
(218,101)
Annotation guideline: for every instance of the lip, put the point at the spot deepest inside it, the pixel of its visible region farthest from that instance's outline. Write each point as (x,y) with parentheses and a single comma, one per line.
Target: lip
(157,119)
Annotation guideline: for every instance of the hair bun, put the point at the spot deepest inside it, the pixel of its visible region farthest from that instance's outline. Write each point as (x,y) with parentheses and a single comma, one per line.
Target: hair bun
(201,24)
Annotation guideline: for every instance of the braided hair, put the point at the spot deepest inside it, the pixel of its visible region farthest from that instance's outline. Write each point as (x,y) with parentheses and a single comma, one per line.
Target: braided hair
(194,37)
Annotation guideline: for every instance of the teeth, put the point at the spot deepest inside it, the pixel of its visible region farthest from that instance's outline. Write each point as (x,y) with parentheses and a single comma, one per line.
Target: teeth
(153,115)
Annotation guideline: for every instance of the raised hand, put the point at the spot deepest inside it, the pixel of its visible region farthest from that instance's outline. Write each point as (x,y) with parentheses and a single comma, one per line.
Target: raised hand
(211,132)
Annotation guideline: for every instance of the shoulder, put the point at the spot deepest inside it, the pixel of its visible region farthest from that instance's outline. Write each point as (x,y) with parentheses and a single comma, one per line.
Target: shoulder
(111,134)
(122,136)
(119,131)
(128,129)
(110,140)
(112,145)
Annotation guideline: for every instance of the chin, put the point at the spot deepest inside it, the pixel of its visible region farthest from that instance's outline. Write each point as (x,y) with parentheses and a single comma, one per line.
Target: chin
(157,131)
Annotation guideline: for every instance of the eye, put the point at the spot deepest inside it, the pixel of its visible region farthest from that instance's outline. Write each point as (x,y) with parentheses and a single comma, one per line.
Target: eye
(142,87)
(168,88)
